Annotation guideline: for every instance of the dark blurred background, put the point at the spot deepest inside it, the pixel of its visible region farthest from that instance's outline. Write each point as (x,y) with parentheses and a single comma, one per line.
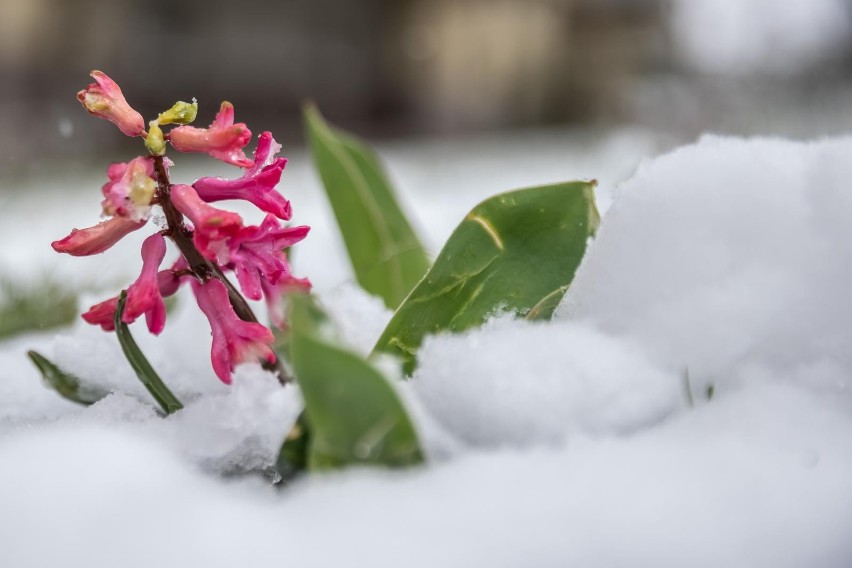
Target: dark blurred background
(415,68)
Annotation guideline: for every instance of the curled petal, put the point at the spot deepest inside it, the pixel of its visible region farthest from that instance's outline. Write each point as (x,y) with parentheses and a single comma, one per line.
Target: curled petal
(143,296)
(212,227)
(257,254)
(234,341)
(104,99)
(223,140)
(257,185)
(97,239)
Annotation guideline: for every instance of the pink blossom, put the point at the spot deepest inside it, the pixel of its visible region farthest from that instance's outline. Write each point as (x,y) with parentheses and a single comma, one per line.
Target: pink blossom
(224,140)
(257,185)
(97,239)
(256,253)
(103,314)
(143,296)
(212,227)
(171,279)
(130,189)
(234,341)
(105,100)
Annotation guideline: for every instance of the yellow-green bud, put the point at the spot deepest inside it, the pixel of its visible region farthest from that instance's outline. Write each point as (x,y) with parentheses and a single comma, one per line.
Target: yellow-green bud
(155,142)
(180,113)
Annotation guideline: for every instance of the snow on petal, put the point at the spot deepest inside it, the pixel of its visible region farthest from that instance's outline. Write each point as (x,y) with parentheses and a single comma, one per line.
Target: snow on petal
(223,140)
(234,341)
(97,239)
(104,99)
(130,189)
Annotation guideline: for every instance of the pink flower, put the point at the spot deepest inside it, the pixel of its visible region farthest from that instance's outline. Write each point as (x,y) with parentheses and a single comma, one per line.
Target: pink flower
(105,100)
(257,185)
(103,314)
(256,253)
(234,341)
(168,281)
(143,296)
(130,189)
(97,239)
(212,227)
(224,140)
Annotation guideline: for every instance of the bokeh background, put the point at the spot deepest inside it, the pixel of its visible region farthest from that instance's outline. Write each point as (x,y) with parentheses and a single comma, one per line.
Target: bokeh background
(439,69)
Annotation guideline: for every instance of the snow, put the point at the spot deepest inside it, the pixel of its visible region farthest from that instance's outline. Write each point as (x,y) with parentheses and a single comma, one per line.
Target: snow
(742,37)
(550,444)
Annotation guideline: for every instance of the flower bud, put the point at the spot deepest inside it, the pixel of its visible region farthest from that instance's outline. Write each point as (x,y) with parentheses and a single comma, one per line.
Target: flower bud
(155,142)
(180,113)
(104,99)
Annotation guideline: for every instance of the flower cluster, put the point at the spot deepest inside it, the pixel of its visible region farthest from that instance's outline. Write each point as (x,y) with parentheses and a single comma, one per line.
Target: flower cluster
(211,241)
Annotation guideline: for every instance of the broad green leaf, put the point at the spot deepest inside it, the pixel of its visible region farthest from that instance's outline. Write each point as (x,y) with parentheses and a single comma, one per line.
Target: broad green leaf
(66,384)
(140,364)
(386,255)
(514,252)
(353,413)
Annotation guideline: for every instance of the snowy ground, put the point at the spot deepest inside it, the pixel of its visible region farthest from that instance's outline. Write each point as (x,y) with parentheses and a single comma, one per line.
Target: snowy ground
(568,443)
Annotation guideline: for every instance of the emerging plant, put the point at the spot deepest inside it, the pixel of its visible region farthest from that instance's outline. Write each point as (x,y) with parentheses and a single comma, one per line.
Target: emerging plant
(210,241)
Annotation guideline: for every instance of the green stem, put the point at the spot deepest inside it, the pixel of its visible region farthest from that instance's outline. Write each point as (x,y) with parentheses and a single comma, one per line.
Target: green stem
(140,364)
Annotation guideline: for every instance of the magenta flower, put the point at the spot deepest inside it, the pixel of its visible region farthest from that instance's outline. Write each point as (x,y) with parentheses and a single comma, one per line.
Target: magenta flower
(234,341)
(130,189)
(105,100)
(168,281)
(224,140)
(97,239)
(212,227)
(257,185)
(256,253)
(143,296)
(103,314)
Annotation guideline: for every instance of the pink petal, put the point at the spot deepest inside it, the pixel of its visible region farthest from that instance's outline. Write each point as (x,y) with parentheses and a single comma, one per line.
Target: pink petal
(104,99)
(143,296)
(97,239)
(223,140)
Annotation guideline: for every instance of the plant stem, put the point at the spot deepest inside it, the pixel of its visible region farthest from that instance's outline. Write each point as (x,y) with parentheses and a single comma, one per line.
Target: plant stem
(200,267)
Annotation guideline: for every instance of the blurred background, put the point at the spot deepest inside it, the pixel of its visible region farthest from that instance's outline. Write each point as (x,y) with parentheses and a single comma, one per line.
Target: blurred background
(439,69)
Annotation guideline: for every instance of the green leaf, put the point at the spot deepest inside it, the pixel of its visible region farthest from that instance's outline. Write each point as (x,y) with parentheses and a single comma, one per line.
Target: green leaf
(66,384)
(386,255)
(140,364)
(514,252)
(293,457)
(352,411)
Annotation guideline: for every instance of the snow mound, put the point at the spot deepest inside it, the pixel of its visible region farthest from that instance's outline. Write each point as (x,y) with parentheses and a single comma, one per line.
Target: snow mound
(728,258)
(517,383)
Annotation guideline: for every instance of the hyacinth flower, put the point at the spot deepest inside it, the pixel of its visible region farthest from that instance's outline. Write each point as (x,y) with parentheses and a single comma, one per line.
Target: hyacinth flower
(234,340)
(257,185)
(210,242)
(105,100)
(224,140)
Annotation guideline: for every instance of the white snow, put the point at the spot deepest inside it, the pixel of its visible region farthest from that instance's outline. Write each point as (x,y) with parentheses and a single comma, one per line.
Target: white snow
(743,37)
(550,444)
